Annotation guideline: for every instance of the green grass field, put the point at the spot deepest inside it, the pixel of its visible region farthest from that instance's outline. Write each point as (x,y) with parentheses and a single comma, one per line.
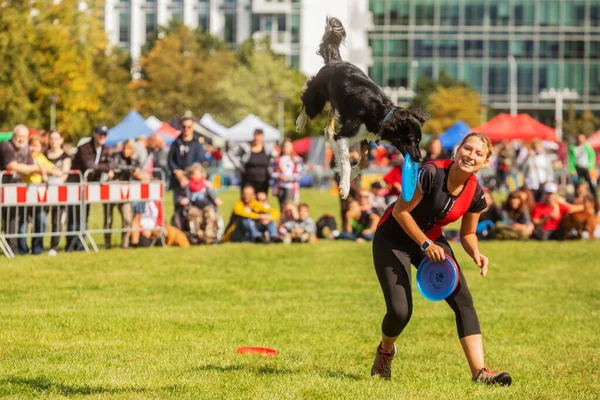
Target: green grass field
(166,323)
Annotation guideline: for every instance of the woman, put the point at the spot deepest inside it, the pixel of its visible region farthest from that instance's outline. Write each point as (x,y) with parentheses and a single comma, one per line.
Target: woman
(516,217)
(57,156)
(538,169)
(126,167)
(286,170)
(252,163)
(447,190)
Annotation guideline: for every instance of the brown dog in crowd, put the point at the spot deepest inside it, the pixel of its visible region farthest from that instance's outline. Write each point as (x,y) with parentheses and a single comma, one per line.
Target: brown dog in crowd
(176,237)
(581,221)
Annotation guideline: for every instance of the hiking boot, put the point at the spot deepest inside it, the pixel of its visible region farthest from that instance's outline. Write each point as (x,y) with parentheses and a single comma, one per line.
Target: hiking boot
(382,366)
(489,377)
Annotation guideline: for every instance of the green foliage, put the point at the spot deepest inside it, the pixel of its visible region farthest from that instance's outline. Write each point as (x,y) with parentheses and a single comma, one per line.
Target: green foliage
(54,48)
(448,105)
(425,87)
(587,123)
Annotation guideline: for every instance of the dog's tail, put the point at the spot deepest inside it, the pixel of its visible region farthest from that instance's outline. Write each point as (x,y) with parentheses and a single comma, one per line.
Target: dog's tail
(333,37)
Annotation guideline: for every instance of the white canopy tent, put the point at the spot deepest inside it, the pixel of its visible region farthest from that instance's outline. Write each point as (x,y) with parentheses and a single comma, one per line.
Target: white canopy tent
(243,131)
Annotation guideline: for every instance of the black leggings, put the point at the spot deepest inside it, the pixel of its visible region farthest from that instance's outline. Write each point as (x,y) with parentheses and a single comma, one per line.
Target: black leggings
(392,264)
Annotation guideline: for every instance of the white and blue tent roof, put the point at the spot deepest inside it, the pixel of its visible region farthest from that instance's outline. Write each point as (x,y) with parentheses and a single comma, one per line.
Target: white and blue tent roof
(243,131)
(132,126)
(453,135)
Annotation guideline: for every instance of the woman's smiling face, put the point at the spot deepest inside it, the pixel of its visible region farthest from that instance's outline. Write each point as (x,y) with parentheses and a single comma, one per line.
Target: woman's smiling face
(472,155)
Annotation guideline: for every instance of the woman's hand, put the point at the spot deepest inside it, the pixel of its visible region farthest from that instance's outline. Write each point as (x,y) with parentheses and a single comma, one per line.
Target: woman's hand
(482,262)
(435,253)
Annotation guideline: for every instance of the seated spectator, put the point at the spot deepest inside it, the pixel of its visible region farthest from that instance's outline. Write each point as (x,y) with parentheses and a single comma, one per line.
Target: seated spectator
(252,221)
(528,198)
(377,198)
(196,207)
(488,217)
(582,193)
(361,222)
(548,213)
(516,220)
(289,213)
(303,229)
(146,224)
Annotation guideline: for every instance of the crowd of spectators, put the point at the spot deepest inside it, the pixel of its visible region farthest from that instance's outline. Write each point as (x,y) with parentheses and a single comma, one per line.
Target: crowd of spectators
(541,208)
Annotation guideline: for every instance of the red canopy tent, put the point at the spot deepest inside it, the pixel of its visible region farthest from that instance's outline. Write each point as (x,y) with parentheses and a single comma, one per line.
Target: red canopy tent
(521,126)
(594,140)
(302,146)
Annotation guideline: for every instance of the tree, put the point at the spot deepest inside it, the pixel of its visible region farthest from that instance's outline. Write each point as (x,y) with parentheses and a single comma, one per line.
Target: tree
(57,48)
(16,81)
(448,105)
(588,123)
(179,74)
(426,86)
(571,126)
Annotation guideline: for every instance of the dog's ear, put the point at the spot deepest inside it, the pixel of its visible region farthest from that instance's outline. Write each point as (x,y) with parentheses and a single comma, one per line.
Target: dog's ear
(420,115)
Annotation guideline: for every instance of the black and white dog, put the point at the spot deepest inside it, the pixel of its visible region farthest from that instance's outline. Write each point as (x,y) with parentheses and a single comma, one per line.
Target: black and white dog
(362,109)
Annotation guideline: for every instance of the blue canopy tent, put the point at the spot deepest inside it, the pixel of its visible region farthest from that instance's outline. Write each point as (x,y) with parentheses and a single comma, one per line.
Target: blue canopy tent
(453,135)
(132,126)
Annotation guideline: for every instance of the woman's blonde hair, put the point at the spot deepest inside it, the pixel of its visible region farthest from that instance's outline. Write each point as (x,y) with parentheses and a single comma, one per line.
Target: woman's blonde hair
(484,139)
(195,167)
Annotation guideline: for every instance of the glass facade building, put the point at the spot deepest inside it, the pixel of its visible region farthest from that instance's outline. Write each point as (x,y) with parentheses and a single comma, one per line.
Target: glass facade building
(556,44)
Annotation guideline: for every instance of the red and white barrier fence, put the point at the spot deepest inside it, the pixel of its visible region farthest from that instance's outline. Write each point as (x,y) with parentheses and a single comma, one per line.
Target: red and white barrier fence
(20,202)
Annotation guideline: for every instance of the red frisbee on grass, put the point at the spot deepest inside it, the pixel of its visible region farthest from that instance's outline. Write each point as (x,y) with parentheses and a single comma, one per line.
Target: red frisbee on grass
(264,351)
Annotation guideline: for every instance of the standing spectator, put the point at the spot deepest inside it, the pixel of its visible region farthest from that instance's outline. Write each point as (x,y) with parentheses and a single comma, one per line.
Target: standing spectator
(143,157)
(538,169)
(435,151)
(16,157)
(126,167)
(57,156)
(582,161)
(94,156)
(159,154)
(287,170)
(505,161)
(252,161)
(38,214)
(547,214)
(251,220)
(185,151)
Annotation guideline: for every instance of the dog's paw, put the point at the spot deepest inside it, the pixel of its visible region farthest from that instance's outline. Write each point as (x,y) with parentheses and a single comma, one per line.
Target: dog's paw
(344,189)
(301,121)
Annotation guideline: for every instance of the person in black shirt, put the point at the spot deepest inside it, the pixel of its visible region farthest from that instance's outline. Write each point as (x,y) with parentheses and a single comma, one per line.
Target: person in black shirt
(252,161)
(185,151)
(407,232)
(57,156)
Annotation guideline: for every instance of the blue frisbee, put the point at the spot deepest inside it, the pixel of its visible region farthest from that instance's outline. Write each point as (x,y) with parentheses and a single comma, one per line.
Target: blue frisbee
(436,281)
(410,173)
